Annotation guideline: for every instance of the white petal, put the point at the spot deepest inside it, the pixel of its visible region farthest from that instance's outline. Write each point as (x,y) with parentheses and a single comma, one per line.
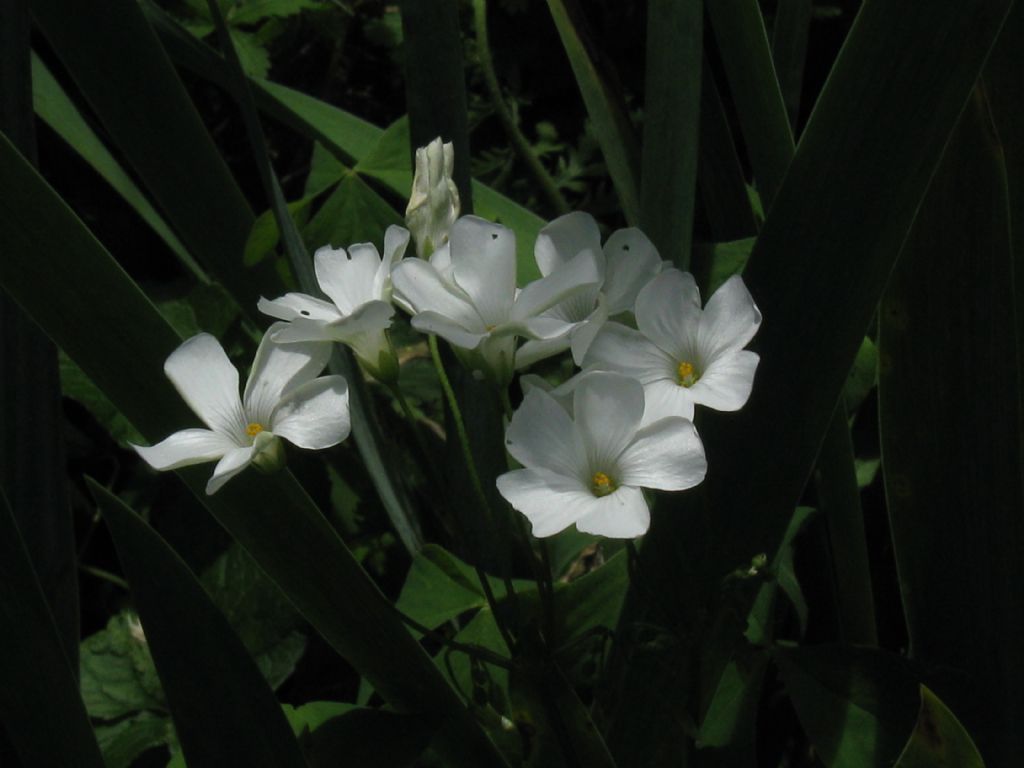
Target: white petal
(420,287)
(484,266)
(184,448)
(302,329)
(667,455)
(582,273)
(228,467)
(633,261)
(550,502)
(558,242)
(279,368)
(540,327)
(618,348)
(665,398)
(583,335)
(621,515)
(726,384)
(208,382)
(668,311)
(299,306)
(363,330)
(730,320)
(314,415)
(542,436)
(540,349)
(396,240)
(608,408)
(347,277)
(447,329)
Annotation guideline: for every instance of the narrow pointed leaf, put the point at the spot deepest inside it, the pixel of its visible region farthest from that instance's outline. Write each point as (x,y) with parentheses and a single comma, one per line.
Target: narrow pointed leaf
(39,700)
(743,42)
(675,32)
(789,50)
(224,712)
(938,740)
(951,466)
(604,104)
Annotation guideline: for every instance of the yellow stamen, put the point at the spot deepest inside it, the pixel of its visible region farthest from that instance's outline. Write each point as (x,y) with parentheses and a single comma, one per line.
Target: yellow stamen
(601,484)
(253,429)
(687,374)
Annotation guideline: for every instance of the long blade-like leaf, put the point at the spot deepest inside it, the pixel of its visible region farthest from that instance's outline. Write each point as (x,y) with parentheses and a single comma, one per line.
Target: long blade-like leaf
(111,330)
(789,49)
(951,465)
(39,700)
(604,105)
(675,32)
(224,712)
(743,42)
(117,62)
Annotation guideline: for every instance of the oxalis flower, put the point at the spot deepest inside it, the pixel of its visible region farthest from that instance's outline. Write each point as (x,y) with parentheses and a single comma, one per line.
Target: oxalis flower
(589,467)
(684,355)
(358,283)
(283,399)
(626,263)
(467,295)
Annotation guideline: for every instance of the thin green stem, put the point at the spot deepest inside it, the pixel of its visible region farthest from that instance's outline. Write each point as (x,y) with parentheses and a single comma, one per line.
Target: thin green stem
(519,143)
(414,425)
(474,476)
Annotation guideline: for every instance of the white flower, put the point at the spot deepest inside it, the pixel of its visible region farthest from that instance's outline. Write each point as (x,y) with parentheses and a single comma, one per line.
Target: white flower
(682,354)
(589,467)
(434,202)
(283,398)
(626,264)
(358,282)
(467,295)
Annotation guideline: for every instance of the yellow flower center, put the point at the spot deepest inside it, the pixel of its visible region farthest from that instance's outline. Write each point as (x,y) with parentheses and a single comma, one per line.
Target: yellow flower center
(253,429)
(687,374)
(601,484)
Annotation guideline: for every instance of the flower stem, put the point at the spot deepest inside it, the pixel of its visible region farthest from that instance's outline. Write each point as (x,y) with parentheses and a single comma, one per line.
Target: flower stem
(478,488)
(519,142)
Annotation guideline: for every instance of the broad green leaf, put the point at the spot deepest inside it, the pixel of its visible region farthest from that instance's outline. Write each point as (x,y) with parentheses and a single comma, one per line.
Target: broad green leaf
(118,64)
(299,551)
(743,43)
(726,259)
(253,11)
(863,376)
(938,740)
(675,32)
(124,741)
(54,107)
(77,386)
(264,235)
(223,710)
(430,594)
(260,615)
(604,104)
(352,213)
(951,466)
(117,674)
(39,702)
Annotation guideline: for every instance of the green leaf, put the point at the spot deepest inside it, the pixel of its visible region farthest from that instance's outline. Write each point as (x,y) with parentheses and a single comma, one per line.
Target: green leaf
(264,235)
(79,387)
(675,32)
(951,466)
(938,740)
(39,686)
(254,11)
(863,376)
(743,44)
(252,53)
(117,673)
(223,710)
(260,615)
(367,738)
(123,742)
(352,213)
(604,104)
(789,50)
(54,107)
(431,595)
(111,52)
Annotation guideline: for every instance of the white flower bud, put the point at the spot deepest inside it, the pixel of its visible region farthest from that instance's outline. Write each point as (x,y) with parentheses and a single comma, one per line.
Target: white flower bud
(434,202)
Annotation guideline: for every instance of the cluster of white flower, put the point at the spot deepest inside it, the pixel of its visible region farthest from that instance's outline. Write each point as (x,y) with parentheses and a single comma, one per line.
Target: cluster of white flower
(648,352)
